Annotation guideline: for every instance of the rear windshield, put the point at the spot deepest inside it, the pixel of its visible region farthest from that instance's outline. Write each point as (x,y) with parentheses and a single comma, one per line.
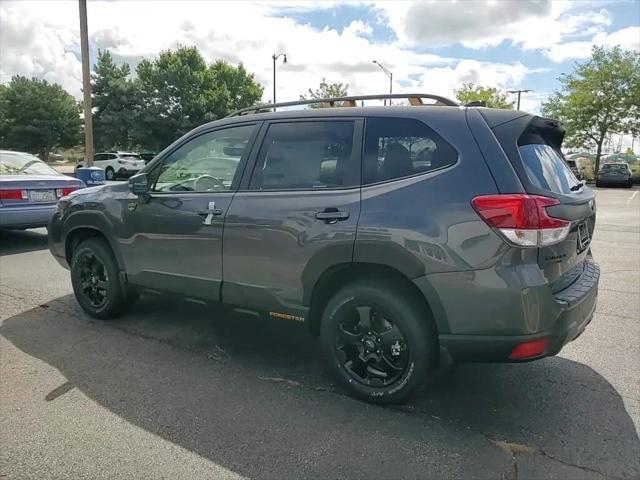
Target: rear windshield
(613,167)
(546,168)
(23,164)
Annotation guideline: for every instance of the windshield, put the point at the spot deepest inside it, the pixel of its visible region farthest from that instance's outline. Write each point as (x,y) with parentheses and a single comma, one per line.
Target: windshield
(23,164)
(546,168)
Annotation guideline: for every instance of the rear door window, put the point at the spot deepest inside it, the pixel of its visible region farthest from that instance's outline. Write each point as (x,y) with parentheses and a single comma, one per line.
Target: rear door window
(307,155)
(546,168)
(402,147)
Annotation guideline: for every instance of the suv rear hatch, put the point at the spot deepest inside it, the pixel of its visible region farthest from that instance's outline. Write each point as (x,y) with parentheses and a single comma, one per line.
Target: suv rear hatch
(532,145)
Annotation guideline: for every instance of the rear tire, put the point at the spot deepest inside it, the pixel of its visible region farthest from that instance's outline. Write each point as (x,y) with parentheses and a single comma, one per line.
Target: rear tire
(387,360)
(96,280)
(110,173)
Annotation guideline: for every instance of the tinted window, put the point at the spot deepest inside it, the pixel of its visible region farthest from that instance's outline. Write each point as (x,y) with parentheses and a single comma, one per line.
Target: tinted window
(546,168)
(400,147)
(308,155)
(615,167)
(206,163)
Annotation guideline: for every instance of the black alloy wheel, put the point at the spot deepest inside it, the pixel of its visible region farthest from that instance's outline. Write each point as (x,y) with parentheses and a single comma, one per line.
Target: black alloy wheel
(371,348)
(97,285)
(93,278)
(379,342)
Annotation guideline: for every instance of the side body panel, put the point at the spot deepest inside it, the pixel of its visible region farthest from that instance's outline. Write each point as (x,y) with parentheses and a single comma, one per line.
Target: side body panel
(272,240)
(275,248)
(425,224)
(167,244)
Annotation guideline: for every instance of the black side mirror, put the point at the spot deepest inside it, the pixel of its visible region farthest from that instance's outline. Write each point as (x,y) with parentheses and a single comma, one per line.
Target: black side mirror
(139,184)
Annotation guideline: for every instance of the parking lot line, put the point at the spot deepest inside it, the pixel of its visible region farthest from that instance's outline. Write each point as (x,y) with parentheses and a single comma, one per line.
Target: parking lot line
(633,195)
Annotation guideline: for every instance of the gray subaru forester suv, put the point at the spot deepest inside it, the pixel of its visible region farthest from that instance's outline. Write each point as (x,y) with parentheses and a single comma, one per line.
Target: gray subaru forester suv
(400,235)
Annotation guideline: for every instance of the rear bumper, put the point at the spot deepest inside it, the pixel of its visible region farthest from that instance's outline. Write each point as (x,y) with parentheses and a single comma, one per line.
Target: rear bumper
(491,348)
(26,216)
(558,318)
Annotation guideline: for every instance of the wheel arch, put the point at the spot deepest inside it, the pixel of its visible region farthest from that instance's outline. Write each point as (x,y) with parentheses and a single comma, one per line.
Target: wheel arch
(337,276)
(82,232)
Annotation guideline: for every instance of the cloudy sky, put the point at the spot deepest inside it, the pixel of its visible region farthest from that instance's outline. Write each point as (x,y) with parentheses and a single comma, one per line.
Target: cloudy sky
(431,46)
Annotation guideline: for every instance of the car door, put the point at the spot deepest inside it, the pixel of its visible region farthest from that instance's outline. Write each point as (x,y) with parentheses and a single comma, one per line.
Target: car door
(172,238)
(295,216)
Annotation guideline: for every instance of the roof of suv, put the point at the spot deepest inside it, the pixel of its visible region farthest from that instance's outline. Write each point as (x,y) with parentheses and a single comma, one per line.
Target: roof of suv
(492,116)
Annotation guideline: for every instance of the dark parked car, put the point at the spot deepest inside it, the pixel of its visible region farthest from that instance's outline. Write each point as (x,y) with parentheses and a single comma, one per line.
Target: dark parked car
(29,190)
(574,166)
(614,174)
(147,156)
(401,236)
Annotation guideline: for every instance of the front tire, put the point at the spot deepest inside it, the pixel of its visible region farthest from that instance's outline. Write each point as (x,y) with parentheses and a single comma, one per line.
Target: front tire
(96,280)
(110,173)
(378,343)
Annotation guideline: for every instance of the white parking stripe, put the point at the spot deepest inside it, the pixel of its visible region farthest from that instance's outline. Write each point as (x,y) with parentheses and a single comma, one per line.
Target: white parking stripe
(633,195)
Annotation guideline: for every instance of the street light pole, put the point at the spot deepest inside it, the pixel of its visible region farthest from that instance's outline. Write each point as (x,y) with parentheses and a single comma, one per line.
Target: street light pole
(86,84)
(390,75)
(276,57)
(519,92)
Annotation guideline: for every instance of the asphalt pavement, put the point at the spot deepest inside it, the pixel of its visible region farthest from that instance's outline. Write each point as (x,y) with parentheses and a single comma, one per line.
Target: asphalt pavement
(179,390)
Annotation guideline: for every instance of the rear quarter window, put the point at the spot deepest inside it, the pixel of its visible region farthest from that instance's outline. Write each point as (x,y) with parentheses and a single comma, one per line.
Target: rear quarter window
(402,147)
(546,168)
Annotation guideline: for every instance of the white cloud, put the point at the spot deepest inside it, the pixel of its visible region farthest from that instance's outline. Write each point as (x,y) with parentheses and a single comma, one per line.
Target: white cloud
(31,45)
(237,32)
(531,24)
(358,27)
(41,39)
(444,80)
(628,38)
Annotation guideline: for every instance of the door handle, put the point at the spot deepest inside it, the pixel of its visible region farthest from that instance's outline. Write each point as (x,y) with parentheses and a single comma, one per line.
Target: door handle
(209,213)
(332,215)
(215,211)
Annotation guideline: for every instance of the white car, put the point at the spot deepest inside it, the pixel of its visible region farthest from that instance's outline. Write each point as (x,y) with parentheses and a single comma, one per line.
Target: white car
(117,164)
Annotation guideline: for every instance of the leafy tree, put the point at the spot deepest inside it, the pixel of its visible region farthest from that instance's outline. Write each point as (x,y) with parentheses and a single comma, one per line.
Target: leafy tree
(326,90)
(179,91)
(600,97)
(116,100)
(493,97)
(37,116)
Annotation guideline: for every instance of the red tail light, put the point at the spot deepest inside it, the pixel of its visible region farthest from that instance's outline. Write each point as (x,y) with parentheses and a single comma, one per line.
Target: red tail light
(62,192)
(14,195)
(522,219)
(532,349)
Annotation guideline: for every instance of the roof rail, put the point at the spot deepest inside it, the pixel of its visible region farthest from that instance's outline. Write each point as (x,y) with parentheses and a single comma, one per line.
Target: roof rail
(415,99)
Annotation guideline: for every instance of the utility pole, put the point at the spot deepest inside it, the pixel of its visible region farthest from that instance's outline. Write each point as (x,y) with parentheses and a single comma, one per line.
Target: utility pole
(519,92)
(86,84)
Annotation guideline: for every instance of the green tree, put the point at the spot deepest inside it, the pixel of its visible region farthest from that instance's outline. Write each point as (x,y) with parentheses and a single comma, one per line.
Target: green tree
(600,97)
(116,103)
(37,116)
(493,97)
(326,90)
(179,91)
